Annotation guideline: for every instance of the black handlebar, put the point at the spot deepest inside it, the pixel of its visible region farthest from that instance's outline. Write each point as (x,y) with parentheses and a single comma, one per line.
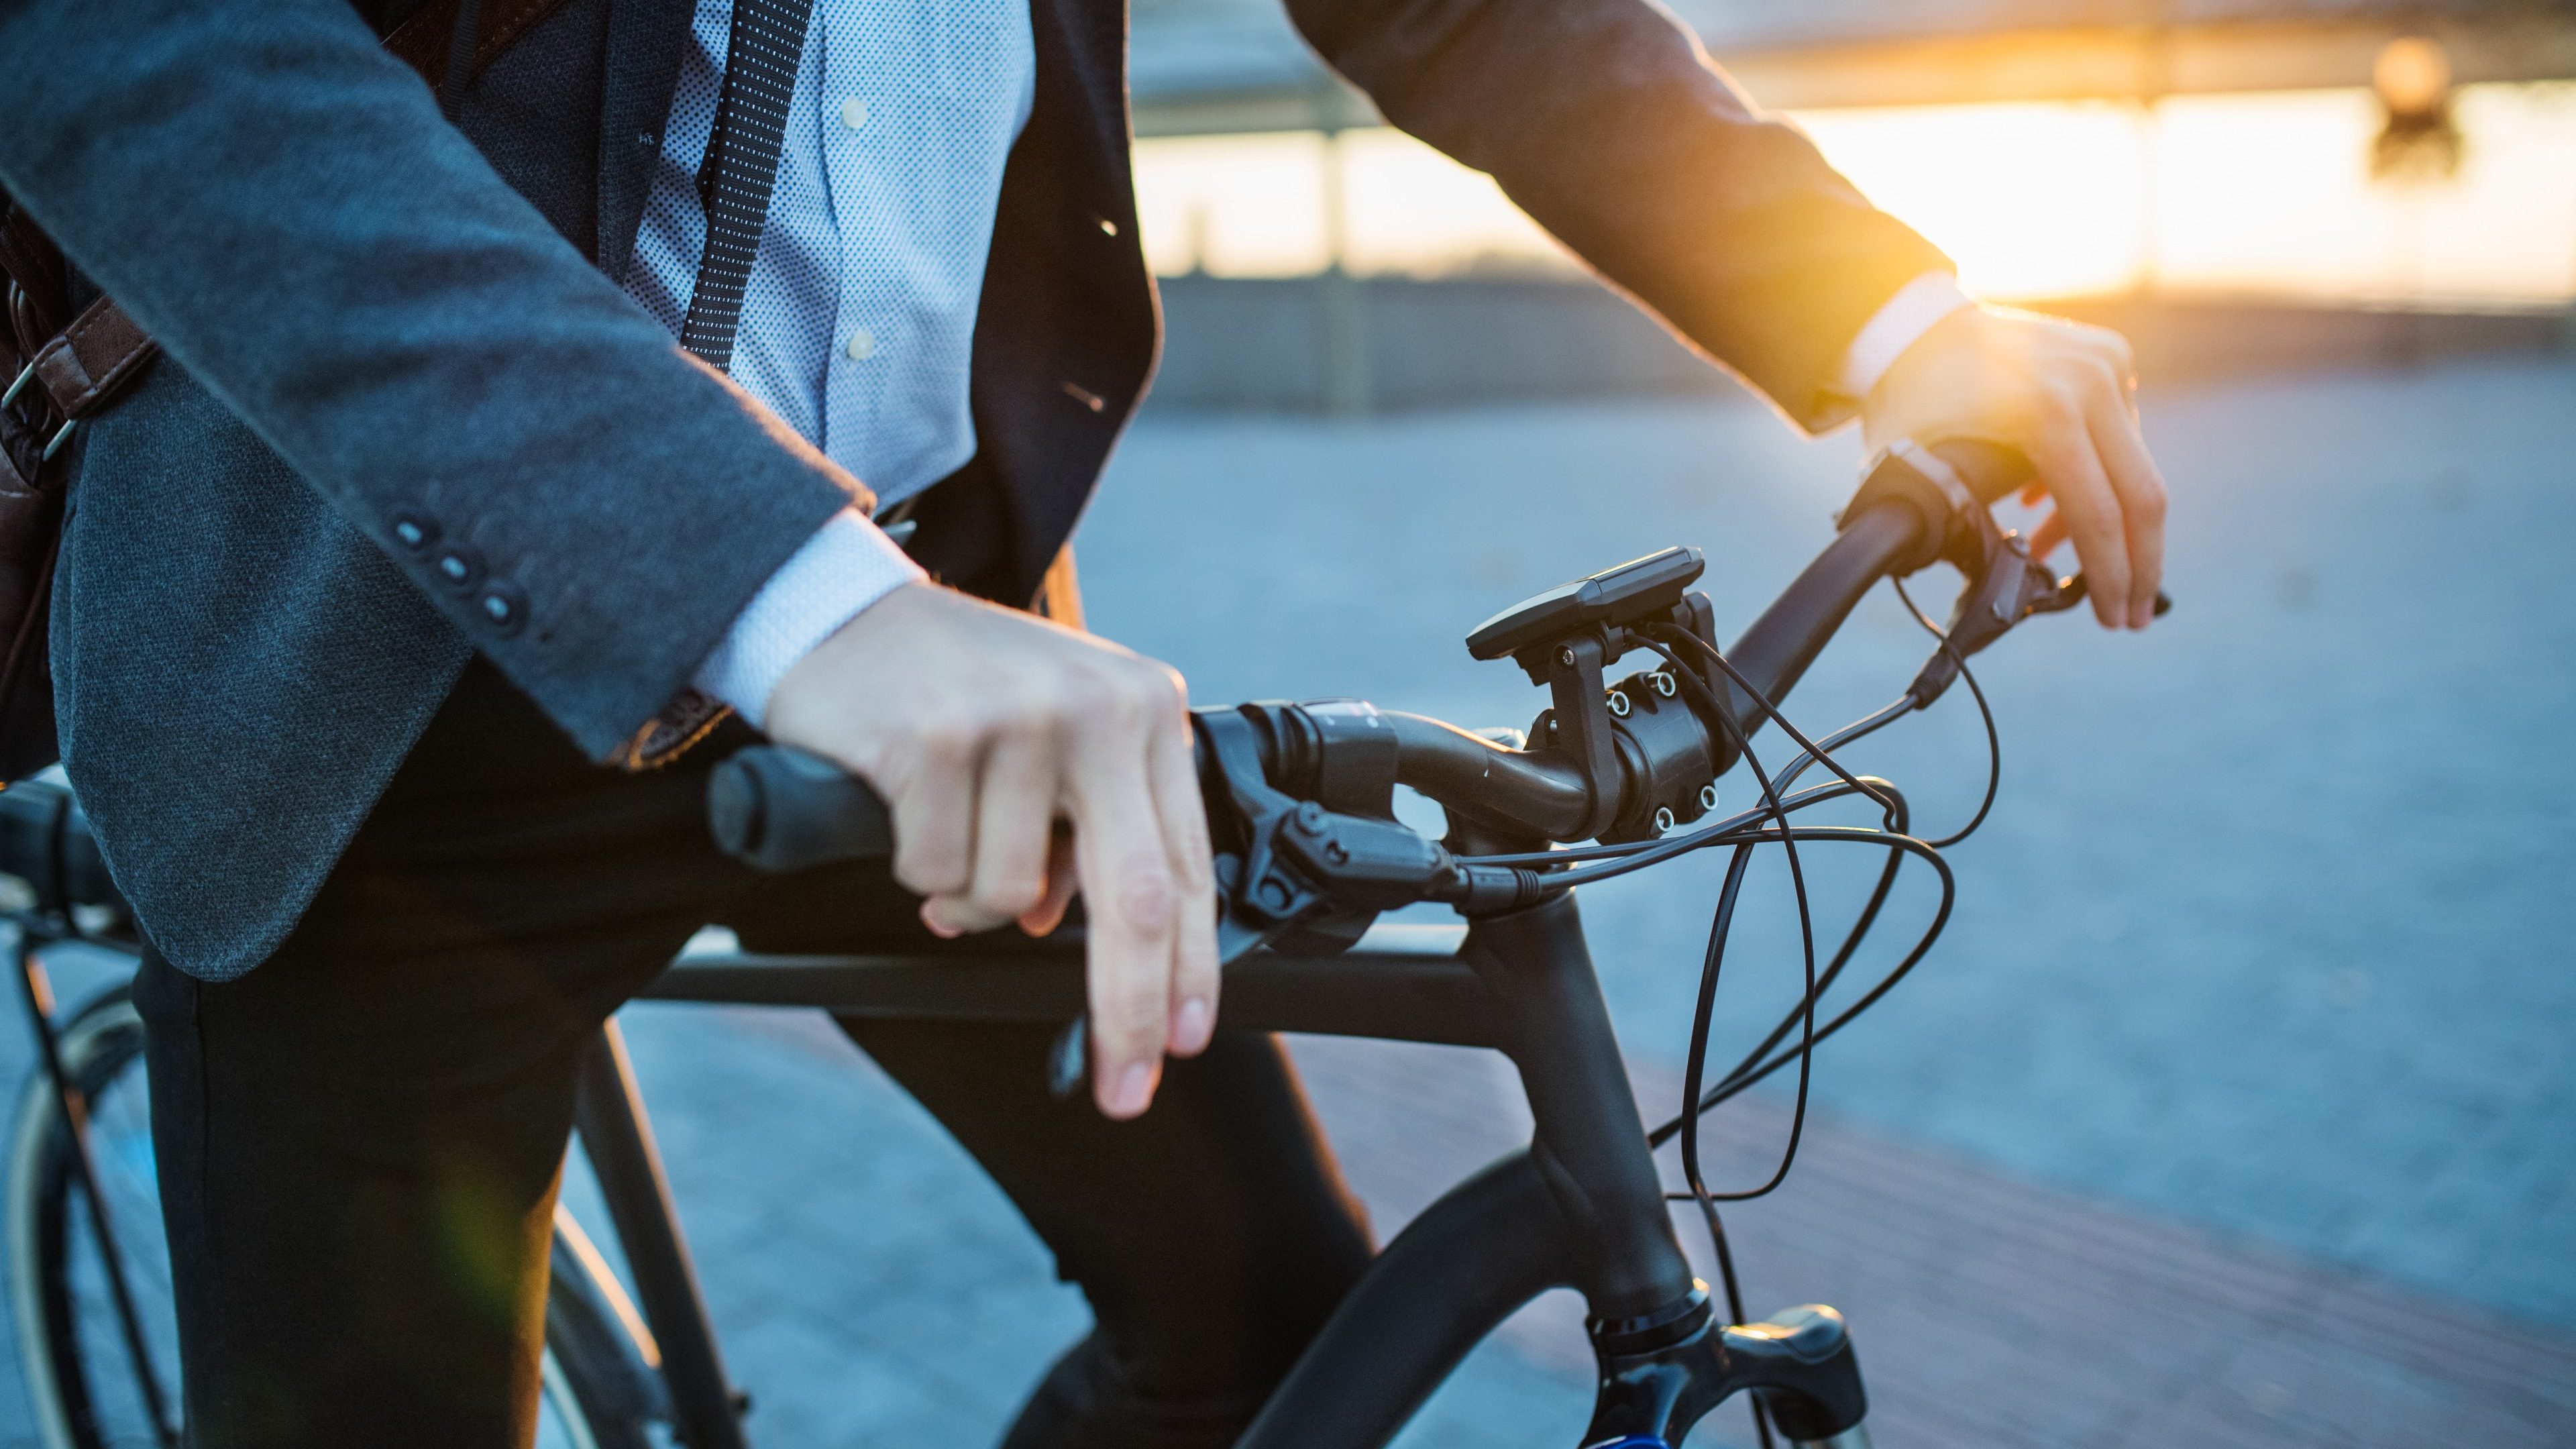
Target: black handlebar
(781,809)
(778,809)
(1904,518)
(45,840)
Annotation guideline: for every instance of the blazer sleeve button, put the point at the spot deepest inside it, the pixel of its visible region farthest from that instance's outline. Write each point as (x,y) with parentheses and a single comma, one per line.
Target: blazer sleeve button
(414,530)
(458,567)
(504,607)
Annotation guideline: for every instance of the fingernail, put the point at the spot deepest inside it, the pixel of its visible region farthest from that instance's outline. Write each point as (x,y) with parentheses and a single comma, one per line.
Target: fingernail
(938,927)
(1135,1087)
(1192,1024)
(2141,615)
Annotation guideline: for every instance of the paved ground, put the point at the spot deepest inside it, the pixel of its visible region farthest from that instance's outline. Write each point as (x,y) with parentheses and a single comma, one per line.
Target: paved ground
(2269,929)
(2246,1058)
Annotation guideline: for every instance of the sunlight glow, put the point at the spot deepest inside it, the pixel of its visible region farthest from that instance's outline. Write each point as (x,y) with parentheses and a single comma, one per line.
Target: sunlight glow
(1254,206)
(2040,200)
(2267,194)
(2298,213)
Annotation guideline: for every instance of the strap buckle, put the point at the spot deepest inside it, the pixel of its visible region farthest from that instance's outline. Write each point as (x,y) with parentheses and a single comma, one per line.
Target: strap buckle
(61,435)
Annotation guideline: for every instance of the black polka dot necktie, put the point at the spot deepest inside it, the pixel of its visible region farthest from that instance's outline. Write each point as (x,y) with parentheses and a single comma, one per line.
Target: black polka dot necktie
(741,166)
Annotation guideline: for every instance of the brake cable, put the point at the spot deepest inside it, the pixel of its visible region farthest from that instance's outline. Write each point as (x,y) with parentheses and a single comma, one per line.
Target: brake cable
(1752,1068)
(1994,741)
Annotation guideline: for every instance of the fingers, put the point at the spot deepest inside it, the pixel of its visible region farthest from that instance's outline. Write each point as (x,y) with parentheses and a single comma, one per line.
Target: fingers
(1133,909)
(2047,536)
(2115,353)
(2066,395)
(979,774)
(1063,880)
(2089,512)
(933,837)
(1013,812)
(2141,492)
(1174,772)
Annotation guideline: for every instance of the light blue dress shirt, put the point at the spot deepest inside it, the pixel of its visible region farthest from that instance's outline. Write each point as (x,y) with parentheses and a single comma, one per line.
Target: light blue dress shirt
(858,319)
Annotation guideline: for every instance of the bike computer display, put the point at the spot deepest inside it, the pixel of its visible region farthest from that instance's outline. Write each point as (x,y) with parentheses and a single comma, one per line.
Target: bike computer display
(1632,593)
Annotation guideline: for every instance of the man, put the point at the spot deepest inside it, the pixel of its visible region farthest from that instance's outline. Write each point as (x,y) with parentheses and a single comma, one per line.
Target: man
(425,514)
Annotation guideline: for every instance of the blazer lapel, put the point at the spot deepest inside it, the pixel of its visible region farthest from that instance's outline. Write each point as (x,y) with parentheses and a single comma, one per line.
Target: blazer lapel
(1082,46)
(642,69)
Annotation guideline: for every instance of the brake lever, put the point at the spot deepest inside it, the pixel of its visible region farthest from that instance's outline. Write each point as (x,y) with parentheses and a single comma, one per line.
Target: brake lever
(2071,591)
(1068,1063)
(2007,587)
(1300,863)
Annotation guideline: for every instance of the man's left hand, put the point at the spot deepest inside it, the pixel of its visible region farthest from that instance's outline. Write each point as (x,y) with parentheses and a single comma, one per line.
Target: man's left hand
(2066,395)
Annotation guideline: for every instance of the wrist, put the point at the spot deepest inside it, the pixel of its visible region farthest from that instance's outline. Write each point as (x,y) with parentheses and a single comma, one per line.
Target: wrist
(810,691)
(843,570)
(1909,315)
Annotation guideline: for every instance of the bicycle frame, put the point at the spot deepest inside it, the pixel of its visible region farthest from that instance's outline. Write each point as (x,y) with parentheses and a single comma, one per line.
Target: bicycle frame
(1582,1207)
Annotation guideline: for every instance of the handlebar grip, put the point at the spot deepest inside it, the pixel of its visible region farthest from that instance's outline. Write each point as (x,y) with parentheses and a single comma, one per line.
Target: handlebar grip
(778,809)
(46,840)
(1940,486)
(1991,470)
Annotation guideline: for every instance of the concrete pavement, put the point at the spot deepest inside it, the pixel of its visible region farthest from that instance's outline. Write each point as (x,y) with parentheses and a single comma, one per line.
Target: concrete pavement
(2252,1030)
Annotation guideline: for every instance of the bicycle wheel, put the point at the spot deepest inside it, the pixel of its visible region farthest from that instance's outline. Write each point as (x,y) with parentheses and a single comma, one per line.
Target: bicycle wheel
(83,1382)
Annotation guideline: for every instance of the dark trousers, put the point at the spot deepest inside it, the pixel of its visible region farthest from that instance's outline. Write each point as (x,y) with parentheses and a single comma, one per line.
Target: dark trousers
(360,1141)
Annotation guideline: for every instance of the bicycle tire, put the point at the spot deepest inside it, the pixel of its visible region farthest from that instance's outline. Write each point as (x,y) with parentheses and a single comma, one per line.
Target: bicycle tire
(599,1388)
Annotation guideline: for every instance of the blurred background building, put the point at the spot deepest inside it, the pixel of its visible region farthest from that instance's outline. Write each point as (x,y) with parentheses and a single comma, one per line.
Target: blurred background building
(2236,183)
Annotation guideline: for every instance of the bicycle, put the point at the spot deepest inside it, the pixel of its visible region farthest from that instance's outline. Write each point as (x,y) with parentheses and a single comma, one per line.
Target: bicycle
(1310,853)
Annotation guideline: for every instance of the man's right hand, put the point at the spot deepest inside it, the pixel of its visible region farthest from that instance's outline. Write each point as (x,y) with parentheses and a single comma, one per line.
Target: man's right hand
(983,727)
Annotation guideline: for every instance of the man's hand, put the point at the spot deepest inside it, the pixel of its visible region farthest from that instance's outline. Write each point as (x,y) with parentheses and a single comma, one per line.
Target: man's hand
(982,727)
(2065,394)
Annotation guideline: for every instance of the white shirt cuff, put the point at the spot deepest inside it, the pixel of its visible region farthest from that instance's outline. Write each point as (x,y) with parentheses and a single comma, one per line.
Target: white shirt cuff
(847,565)
(1898,324)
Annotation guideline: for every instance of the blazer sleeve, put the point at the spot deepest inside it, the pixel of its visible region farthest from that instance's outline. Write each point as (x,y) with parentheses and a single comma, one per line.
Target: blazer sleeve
(282,206)
(1607,123)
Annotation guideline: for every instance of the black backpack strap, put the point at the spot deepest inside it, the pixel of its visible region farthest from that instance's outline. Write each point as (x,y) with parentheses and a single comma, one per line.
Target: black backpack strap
(81,370)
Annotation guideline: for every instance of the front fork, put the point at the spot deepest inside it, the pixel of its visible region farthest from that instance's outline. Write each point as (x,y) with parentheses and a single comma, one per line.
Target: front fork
(1658,1382)
(1665,1360)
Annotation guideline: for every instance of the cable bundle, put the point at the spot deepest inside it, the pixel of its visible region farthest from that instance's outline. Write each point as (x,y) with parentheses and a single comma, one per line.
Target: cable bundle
(1770,824)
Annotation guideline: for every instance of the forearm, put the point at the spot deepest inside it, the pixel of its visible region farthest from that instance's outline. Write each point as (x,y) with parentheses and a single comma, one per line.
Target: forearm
(282,207)
(1605,122)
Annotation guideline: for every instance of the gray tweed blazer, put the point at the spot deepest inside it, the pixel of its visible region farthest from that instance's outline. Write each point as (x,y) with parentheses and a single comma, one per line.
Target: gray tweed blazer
(405,414)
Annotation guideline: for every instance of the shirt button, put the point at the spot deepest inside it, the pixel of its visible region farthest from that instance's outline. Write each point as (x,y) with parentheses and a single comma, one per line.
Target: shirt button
(854,113)
(861,346)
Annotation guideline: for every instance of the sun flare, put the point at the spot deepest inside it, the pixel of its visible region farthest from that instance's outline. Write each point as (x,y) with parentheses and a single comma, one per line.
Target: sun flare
(2263,193)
